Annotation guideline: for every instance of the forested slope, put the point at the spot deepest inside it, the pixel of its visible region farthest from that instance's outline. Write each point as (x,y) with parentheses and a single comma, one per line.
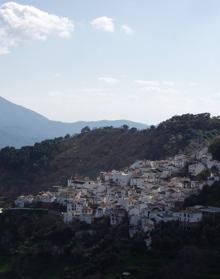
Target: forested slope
(31,169)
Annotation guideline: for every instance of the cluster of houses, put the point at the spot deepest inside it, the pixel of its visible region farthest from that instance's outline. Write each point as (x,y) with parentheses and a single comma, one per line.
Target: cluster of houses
(146,193)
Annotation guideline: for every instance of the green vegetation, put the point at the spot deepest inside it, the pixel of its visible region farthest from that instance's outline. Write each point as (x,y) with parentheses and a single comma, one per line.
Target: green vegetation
(31,169)
(214,149)
(194,253)
(208,196)
(42,246)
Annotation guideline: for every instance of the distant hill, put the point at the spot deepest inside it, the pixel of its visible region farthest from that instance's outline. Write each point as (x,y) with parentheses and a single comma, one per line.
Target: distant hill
(51,162)
(20,126)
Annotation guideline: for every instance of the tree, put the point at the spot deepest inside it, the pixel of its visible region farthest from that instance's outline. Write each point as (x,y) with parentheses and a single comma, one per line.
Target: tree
(214,149)
(125,127)
(85,130)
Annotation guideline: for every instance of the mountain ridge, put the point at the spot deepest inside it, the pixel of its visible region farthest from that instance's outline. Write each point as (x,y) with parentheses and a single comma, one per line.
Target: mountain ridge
(20,126)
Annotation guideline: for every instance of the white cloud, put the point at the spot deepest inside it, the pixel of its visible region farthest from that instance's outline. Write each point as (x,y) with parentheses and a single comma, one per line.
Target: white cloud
(108,80)
(169,83)
(156,86)
(23,22)
(6,41)
(57,75)
(193,84)
(127,30)
(153,83)
(103,23)
(155,89)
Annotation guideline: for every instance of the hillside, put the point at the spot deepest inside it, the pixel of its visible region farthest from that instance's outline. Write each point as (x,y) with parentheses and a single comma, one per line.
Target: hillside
(51,162)
(38,245)
(37,239)
(209,195)
(20,126)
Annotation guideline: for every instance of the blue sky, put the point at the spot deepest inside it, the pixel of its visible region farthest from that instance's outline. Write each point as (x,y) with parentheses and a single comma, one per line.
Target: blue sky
(143,60)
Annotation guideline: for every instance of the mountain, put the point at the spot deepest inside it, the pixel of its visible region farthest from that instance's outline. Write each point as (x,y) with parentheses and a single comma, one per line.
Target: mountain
(51,162)
(33,240)
(20,126)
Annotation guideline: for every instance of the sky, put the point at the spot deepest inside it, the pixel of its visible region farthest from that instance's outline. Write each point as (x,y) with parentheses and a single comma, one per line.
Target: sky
(142,60)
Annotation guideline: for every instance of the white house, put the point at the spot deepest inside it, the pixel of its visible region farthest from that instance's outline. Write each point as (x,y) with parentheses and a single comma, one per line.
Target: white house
(46,197)
(196,185)
(100,212)
(117,177)
(180,161)
(117,215)
(166,173)
(152,176)
(189,216)
(196,169)
(137,181)
(134,220)
(79,184)
(212,179)
(80,212)
(210,211)
(146,225)
(24,200)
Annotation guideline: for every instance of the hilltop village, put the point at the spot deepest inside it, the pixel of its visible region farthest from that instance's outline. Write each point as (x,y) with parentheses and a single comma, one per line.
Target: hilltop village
(147,192)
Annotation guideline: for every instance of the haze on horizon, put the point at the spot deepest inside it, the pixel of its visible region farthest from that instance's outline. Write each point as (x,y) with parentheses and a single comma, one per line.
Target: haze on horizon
(141,60)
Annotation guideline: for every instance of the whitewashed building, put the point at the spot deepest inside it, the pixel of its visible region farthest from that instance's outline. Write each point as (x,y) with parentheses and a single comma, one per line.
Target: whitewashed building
(196,169)
(21,201)
(189,216)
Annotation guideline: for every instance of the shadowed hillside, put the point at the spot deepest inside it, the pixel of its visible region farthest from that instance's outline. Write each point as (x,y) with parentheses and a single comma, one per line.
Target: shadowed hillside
(31,169)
